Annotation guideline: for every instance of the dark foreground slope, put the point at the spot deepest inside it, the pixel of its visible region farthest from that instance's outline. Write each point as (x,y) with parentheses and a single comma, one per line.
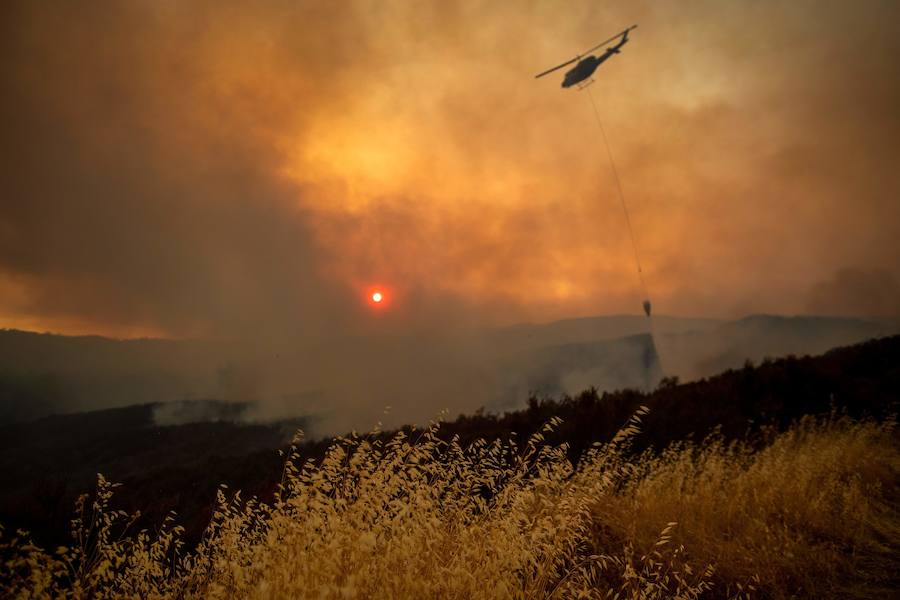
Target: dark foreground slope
(42,472)
(45,464)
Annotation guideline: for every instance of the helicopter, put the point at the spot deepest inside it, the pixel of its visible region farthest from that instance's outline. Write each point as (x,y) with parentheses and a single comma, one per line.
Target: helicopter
(587,65)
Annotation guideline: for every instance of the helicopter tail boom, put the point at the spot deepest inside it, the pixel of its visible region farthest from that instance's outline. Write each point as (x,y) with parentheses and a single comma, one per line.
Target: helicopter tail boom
(623,34)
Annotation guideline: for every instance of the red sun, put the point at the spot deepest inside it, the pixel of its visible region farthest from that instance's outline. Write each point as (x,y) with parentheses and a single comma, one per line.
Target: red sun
(377,297)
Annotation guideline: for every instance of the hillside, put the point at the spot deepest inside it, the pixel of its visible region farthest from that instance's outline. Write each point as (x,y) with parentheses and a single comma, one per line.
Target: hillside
(780,480)
(48,462)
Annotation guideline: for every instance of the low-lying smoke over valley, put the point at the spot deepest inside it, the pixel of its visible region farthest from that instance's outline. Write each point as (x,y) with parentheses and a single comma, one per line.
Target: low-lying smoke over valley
(352,383)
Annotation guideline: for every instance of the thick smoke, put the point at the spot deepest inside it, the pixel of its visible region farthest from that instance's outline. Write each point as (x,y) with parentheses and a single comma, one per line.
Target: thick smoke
(857,291)
(243,172)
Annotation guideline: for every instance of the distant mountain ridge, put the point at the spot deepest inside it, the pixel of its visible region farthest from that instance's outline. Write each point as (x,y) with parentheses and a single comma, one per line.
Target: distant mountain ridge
(610,353)
(755,337)
(43,374)
(584,329)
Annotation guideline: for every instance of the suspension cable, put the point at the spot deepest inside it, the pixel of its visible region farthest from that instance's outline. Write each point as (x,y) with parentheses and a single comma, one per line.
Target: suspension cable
(634,247)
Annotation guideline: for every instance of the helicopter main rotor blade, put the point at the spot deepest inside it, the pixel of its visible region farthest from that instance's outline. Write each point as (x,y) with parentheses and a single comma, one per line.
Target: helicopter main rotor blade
(600,45)
(568,62)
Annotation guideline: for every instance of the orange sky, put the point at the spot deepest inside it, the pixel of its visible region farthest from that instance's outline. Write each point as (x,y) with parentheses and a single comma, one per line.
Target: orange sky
(212,168)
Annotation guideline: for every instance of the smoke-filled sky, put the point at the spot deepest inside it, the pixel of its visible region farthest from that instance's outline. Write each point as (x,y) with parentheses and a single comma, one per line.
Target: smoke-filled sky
(230,168)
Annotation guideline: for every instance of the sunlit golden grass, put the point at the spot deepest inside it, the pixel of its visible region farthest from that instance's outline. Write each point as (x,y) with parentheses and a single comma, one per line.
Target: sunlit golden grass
(813,514)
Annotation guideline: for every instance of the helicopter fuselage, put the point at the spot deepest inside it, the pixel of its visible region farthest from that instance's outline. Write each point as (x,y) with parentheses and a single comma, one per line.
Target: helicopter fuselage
(585,68)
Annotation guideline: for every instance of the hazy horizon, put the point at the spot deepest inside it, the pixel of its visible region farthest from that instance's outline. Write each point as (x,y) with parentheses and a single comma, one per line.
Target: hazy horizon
(348,383)
(886,318)
(217,169)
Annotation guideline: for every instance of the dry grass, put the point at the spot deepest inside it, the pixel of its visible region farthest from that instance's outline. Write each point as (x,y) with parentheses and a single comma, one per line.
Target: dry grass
(812,515)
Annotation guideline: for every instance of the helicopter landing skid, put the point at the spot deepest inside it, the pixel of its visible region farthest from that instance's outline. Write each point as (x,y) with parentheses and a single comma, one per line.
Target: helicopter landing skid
(583,85)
